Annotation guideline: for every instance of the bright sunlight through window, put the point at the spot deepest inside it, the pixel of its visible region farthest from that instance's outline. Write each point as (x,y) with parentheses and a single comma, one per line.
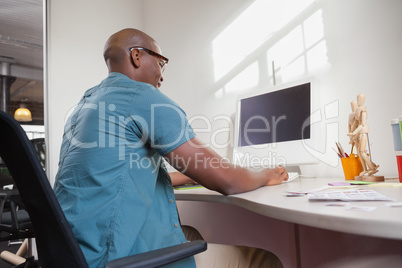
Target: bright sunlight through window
(301,52)
(251,29)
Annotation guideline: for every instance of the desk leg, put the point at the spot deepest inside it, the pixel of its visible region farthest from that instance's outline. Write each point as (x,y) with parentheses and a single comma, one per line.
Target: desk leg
(231,225)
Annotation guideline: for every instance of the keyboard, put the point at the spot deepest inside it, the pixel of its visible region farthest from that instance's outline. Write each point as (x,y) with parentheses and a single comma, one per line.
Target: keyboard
(292,176)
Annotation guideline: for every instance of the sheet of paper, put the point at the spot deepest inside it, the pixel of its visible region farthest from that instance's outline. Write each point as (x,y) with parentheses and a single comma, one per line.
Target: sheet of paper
(360,208)
(394,205)
(348,195)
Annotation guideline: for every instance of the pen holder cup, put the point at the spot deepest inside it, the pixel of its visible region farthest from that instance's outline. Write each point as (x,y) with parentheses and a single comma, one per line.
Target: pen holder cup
(399,163)
(396,133)
(400,125)
(351,167)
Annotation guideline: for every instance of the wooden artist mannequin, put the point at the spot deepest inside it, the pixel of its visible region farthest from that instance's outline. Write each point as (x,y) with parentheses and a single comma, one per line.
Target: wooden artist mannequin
(353,124)
(360,136)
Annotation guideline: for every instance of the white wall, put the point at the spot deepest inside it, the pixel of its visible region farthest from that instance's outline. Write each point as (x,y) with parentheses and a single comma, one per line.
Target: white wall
(77,32)
(361,44)
(362,40)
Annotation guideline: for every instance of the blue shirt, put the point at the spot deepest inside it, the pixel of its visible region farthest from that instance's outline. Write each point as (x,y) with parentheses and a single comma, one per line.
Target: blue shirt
(111,182)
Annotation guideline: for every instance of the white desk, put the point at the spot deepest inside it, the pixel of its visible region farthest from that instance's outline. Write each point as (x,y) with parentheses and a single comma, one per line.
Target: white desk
(302,233)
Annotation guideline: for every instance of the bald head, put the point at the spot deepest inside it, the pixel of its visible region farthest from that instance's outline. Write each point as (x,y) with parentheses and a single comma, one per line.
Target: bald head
(116,52)
(138,64)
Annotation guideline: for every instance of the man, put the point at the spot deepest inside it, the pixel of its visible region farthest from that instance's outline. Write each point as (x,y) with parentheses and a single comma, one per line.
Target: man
(111,182)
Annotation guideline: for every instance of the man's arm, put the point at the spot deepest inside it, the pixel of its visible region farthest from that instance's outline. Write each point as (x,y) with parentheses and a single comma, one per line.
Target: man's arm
(180,179)
(207,168)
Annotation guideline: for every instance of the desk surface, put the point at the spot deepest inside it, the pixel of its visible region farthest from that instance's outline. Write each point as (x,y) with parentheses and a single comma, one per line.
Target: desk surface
(270,201)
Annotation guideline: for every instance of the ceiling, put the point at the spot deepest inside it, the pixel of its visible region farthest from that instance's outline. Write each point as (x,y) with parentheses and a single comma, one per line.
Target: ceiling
(21,39)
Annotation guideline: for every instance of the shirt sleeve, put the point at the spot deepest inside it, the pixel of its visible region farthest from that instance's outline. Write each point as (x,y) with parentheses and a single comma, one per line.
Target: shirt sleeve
(168,127)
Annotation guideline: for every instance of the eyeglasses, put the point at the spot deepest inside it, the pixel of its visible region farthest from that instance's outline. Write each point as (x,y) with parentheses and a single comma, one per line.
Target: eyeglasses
(163,59)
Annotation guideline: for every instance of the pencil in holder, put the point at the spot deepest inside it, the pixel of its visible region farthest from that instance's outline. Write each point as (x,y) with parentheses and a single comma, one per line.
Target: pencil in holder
(351,167)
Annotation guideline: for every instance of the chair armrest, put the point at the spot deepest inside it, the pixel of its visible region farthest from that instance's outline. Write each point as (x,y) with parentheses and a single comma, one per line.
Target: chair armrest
(160,257)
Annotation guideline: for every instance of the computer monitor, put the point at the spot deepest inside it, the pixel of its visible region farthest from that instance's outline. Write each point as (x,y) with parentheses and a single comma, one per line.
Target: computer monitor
(272,127)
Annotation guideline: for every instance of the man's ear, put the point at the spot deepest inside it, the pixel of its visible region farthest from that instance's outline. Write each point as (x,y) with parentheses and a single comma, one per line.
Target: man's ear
(135,58)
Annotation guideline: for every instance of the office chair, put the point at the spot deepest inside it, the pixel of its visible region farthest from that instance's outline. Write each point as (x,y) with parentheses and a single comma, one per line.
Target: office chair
(15,223)
(55,242)
(14,220)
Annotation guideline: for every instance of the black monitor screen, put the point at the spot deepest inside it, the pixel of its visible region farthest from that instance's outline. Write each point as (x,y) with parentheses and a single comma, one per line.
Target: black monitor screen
(277,116)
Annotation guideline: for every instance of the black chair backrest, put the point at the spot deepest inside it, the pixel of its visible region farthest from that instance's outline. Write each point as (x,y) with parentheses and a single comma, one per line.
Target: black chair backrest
(55,242)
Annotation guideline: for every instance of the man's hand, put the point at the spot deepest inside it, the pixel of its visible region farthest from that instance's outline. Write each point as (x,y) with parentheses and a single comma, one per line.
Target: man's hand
(276,175)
